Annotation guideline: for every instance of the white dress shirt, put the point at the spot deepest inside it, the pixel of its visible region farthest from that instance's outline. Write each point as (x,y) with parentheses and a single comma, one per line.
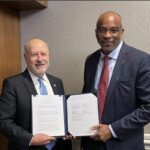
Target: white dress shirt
(113,55)
(37,85)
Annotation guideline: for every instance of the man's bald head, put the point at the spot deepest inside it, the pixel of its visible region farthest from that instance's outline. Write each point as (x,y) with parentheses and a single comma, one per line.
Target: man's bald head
(109,31)
(33,42)
(109,14)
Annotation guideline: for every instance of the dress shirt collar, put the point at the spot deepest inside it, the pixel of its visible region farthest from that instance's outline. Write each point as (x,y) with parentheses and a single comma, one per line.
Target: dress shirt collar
(35,78)
(114,54)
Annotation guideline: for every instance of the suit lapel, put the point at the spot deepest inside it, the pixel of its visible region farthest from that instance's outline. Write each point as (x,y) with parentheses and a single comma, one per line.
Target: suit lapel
(54,87)
(28,83)
(93,69)
(120,64)
(53,84)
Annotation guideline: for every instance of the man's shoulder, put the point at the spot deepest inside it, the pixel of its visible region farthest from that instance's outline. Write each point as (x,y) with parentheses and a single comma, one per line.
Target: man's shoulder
(52,77)
(134,51)
(14,77)
(17,77)
(93,56)
(13,81)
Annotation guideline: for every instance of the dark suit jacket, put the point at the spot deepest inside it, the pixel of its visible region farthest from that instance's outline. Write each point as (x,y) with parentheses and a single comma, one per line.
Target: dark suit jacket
(15,111)
(127,107)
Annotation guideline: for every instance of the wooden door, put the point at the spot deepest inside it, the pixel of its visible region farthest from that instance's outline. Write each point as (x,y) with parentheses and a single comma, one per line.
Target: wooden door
(10,60)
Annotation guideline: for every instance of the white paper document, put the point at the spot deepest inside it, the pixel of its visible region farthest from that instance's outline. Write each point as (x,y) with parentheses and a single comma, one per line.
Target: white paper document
(48,115)
(82,114)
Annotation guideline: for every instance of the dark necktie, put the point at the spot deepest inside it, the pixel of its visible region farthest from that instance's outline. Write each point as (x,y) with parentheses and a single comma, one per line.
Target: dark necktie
(43,91)
(103,84)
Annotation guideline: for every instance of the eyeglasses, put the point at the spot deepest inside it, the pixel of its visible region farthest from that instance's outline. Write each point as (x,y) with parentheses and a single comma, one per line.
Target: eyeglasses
(113,30)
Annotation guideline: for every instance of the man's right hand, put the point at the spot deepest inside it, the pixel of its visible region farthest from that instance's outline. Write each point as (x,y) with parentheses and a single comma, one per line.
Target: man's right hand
(41,139)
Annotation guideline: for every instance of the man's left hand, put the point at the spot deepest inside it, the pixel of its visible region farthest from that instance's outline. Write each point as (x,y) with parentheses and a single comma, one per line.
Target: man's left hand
(103,133)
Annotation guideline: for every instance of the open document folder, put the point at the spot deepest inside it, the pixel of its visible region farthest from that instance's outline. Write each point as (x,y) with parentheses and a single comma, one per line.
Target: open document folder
(60,115)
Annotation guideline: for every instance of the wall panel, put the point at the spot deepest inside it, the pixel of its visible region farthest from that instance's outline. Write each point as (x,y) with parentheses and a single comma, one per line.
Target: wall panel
(10,63)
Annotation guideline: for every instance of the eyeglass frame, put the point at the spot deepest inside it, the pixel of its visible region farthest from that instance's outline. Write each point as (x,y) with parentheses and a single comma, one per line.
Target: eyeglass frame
(108,29)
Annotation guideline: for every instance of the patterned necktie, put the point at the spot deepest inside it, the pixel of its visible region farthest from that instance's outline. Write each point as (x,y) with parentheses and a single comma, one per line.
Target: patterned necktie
(103,84)
(43,91)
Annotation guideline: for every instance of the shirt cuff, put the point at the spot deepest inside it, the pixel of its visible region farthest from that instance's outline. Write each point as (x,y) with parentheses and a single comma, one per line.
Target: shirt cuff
(30,142)
(112,132)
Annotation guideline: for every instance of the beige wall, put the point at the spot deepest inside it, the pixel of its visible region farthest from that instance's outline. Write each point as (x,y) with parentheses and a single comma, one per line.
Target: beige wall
(68,28)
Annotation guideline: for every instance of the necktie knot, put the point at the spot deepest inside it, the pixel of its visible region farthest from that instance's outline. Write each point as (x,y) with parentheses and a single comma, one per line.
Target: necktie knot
(40,79)
(106,58)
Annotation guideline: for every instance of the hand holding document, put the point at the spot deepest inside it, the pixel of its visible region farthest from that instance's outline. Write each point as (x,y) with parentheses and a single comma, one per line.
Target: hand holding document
(56,115)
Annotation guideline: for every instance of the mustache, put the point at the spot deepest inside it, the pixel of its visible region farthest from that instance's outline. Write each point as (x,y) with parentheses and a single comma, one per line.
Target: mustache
(40,63)
(107,40)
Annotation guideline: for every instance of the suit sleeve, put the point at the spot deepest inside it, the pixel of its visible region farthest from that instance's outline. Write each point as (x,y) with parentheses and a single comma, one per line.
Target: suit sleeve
(8,126)
(85,76)
(141,115)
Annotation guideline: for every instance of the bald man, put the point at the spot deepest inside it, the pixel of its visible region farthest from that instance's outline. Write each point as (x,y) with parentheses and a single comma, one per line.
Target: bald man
(15,100)
(123,90)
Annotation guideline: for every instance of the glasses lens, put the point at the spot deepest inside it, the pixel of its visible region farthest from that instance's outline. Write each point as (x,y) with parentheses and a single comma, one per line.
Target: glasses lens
(112,30)
(102,30)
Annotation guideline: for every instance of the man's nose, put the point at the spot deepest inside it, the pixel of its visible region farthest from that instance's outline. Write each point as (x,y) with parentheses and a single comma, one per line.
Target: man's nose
(39,58)
(107,34)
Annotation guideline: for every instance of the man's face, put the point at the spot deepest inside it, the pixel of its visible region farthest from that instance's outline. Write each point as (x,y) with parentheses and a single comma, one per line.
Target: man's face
(109,32)
(37,58)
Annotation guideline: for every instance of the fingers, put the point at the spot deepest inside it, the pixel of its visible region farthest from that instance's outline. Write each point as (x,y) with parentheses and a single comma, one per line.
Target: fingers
(103,133)
(41,139)
(96,127)
(68,137)
(52,138)
(95,137)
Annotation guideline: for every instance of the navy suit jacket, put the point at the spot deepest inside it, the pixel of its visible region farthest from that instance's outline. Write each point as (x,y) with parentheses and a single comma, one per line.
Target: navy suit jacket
(127,107)
(15,111)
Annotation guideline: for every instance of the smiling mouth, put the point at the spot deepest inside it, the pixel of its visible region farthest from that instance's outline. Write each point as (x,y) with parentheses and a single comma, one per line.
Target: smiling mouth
(107,42)
(39,65)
